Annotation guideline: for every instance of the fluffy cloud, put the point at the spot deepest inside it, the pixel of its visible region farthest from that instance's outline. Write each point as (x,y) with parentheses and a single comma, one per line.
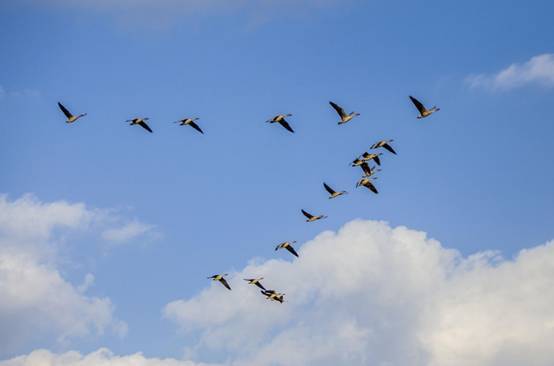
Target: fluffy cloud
(375,295)
(539,70)
(36,302)
(126,232)
(102,357)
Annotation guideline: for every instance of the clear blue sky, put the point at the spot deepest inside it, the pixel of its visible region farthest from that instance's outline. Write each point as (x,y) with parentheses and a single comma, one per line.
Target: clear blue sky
(477,175)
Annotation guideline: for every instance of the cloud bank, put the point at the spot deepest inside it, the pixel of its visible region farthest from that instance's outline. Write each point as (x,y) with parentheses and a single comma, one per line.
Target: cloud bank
(375,295)
(539,70)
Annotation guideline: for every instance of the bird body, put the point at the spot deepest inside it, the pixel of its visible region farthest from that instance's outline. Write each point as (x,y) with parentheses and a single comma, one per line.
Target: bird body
(312,218)
(70,117)
(332,192)
(385,144)
(141,122)
(273,295)
(190,122)
(221,278)
(256,282)
(344,117)
(423,112)
(281,119)
(288,246)
(371,156)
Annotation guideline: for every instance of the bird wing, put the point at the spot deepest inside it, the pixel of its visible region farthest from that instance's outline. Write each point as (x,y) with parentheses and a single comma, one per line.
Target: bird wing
(371,187)
(420,107)
(328,189)
(65,111)
(224,283)
(195,126)
(366,168)
(337,108)
(145,126)
(286,125)
(291,249)
(389,148)
(307,214)
(259,285)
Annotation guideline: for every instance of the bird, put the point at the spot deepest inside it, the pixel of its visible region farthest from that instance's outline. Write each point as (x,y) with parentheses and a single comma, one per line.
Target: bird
(312,218)
(366,182)
(288,246)
(255,281)
(141,122)
(333,193)
(221,278)
(385,144)
(190,122)
(273,295)
(280,119)
(371,156)
(344,117)
(423,112)
(357,162)
(368,171)
(70,117)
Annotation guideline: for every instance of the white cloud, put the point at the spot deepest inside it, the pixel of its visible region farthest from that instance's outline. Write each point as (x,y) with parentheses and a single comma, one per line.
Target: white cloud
(36,302)
(539,70)
(101,357)
(375,295)
(126,232)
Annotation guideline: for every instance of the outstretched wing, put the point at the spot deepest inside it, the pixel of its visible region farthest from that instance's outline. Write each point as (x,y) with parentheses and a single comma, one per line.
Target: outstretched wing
(420,107)
(328,189)
(338,108)
(377,160)
(291,249)
(145,126)
(365,167)
(224,283)
(65,111)
(286,125)
(195,126)
(389,148)
(259,285)
(371,187)
(309,216)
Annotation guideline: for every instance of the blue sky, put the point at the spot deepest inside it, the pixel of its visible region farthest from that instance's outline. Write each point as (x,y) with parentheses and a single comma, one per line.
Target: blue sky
(476,176)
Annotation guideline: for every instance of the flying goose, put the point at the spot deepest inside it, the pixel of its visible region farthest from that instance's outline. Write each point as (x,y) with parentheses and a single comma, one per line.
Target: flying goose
(288,246)
(344,117)
(141,122)
(280,119)
(371,156)
(221,278)
(273,295)
(368,171)
(423,112)
(385,144)
(333,193)
(190,122)
(255,281)
(70,117)
(366,182)
(312,218)
(357,162)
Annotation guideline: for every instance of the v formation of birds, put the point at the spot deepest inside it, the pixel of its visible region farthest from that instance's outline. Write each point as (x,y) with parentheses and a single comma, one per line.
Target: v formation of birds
(363,161)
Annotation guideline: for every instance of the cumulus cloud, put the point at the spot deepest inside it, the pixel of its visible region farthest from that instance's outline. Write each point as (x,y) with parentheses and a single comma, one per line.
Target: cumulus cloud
(101,357)
(375,295)
(539,70)
(37,302)
(126,232)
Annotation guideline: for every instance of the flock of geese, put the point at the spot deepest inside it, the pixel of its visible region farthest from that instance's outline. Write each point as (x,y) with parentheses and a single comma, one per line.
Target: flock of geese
(362,161)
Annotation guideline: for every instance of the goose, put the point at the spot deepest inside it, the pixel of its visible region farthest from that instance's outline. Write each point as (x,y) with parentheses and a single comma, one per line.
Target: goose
(371,156)
(141,122)
(70,117)
(312,218)
(288,246)
(366,182)
(368,171)
(344,117)
(255,281)
(333,193)
(357,162)
(273,295)
(280,119)
(385,144)
(190,122)
(423,112)
(221,279)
